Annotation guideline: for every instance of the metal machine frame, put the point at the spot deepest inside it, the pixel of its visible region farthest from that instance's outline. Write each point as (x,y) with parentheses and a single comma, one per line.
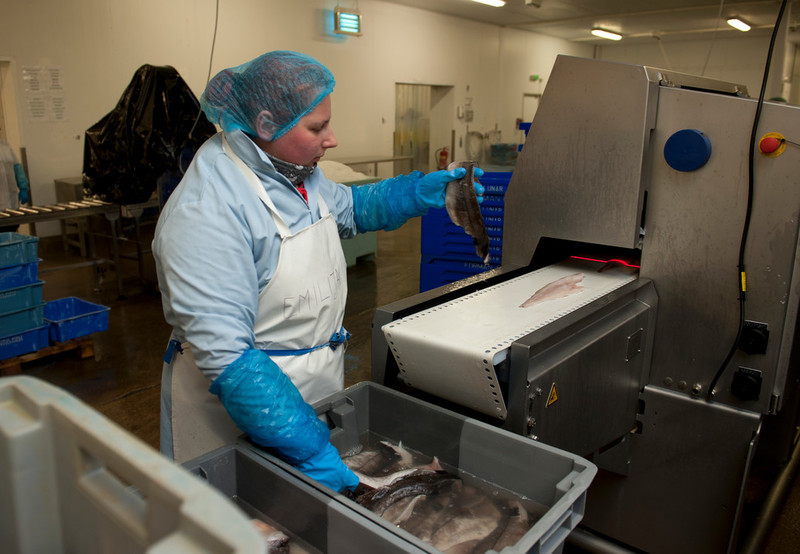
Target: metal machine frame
(632,371)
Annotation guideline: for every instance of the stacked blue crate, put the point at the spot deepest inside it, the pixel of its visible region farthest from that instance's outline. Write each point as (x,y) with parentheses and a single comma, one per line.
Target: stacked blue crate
(22,327)
(448,253)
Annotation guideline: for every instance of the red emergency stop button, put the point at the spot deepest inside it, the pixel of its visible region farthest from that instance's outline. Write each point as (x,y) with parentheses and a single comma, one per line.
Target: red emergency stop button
(772,144)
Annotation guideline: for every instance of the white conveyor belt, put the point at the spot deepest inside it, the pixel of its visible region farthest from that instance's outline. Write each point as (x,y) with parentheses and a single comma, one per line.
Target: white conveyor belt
(451,350)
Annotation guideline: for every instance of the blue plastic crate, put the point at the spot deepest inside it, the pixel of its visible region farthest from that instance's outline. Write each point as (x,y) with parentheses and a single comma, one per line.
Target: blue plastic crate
(461,248)
(19,275)
(73,317)
(434,226)
(24,343)
(16,249)
(19,321)
(20,298)
(436,273)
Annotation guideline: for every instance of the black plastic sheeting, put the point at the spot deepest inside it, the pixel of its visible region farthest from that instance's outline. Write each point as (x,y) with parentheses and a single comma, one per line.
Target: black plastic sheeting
(156,123)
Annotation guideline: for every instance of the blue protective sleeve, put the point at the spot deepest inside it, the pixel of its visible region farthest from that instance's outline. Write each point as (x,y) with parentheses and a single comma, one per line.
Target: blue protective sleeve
(387,204)
(24,195)
(265,404)
(19,175)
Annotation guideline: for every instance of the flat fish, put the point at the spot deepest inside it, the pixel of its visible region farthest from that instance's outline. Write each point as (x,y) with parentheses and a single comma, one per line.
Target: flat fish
(571,284)
(275,540)
(380,467)
(463,208)
(438,507)
(420,482)
(386,458)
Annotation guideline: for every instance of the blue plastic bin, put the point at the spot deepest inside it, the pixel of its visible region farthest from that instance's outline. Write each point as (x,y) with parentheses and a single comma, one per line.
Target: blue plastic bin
(19,275)
(73,317)
(16,249)
(20,298)
(19,321)
(24,343)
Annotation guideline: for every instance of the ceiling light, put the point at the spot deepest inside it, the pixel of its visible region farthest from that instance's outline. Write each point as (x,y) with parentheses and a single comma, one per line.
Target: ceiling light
(737,23)
(346,22)
(602,33)
(493,3)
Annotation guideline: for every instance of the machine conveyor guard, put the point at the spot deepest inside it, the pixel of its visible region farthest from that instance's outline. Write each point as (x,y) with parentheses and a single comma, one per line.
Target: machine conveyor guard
(451,350)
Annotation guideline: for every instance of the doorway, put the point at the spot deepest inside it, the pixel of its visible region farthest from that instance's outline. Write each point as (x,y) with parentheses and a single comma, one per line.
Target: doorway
(423,123)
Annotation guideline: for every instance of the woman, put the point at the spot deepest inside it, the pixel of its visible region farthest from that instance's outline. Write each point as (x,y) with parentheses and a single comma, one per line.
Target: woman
(14,187)
(251,269)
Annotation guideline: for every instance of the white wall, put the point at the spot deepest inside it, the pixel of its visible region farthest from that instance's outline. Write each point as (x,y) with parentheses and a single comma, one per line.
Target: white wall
(98,44)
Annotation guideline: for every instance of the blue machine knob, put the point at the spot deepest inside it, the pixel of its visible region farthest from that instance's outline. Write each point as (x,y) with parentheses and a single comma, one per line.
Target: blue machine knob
(687,150)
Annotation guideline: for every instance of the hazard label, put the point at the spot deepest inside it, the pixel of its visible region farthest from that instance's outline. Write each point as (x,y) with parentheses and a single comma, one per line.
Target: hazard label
(553,395)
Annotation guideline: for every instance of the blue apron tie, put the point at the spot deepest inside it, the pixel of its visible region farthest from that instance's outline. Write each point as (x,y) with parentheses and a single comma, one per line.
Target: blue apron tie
(336,339)
(171,348)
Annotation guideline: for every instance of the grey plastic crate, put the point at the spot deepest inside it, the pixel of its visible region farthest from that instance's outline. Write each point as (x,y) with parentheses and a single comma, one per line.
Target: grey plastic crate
(310,517)
(548,476)
(73,481)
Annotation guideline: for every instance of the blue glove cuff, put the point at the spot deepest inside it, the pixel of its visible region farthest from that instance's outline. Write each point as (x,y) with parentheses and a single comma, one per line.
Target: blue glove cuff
(265,404)
(329,469)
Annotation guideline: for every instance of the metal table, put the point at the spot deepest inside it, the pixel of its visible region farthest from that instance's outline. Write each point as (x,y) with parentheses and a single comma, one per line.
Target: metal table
(76,209)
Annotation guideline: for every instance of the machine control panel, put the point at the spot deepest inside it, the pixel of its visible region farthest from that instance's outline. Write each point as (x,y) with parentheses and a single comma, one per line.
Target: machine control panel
(755,337)
(746,384)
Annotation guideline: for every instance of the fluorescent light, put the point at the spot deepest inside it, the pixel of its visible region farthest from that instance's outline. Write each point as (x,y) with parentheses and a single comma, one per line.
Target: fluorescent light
(737,23)
(346,22)
(602,33)
(493,3)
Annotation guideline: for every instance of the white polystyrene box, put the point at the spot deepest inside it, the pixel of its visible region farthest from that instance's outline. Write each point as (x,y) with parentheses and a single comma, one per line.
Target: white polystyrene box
(73,481)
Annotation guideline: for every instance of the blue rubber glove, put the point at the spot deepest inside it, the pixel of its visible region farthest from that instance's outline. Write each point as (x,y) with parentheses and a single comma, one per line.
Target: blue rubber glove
(22,184)
(432,187)
(265,404)
(387,204)
(328,468)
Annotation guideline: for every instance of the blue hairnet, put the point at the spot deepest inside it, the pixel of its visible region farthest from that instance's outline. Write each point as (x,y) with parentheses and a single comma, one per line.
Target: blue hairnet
(268,94)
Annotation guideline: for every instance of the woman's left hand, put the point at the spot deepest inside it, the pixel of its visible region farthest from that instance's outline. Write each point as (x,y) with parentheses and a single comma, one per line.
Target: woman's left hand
(431,188)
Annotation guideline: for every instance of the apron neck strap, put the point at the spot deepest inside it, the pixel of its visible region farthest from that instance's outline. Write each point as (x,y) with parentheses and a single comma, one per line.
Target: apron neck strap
(255,184)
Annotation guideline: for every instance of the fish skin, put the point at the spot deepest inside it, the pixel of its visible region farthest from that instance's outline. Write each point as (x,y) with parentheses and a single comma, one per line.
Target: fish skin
(466,525)
(462,206)
(516,527)
(387,458)
(376,482)
(421,482)
(399,512)
(571,284)
(432,512)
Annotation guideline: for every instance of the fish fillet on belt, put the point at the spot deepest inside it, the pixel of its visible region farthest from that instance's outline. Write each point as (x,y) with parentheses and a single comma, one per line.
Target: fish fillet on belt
(571,284)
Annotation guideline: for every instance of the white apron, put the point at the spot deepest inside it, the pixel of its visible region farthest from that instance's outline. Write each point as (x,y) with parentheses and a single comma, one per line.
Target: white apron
(298,323)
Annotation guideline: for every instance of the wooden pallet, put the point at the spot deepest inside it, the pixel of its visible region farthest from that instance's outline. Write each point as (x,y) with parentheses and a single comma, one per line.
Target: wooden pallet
(84,346)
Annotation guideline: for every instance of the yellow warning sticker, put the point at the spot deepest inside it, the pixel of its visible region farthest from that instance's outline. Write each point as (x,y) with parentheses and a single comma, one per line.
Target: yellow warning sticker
(553,395)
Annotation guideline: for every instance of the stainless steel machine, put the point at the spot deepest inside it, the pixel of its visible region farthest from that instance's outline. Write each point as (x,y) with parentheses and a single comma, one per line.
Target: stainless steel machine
(637,179)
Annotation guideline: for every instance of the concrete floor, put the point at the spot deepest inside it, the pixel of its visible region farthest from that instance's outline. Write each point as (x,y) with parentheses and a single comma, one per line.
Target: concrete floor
(122,380)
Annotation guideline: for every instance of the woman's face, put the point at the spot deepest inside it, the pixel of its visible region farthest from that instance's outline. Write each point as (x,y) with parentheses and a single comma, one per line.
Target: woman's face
(306,142)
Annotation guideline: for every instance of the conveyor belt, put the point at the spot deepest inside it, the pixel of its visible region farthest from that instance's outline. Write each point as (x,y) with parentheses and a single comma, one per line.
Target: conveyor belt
(451,350)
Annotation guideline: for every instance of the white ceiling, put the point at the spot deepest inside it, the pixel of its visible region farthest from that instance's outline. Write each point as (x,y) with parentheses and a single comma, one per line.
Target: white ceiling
(634,19)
